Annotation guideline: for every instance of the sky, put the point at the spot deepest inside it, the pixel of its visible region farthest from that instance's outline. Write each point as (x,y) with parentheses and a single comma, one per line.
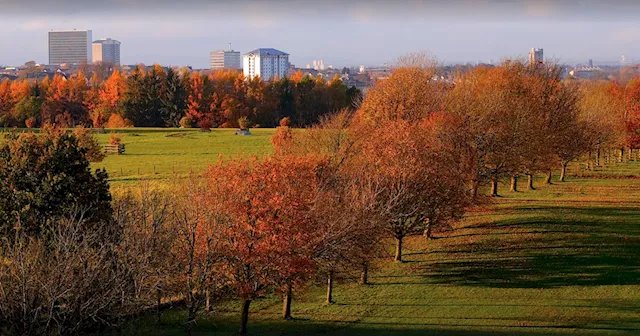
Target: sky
(342,33)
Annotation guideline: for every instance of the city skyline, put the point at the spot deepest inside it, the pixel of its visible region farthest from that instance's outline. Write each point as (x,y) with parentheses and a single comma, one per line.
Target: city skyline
(346,34)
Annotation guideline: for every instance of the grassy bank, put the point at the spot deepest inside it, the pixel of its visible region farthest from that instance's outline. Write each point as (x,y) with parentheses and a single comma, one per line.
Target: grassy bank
(561,259)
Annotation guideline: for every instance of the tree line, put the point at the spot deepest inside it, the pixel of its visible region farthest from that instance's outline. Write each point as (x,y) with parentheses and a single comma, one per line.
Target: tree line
(325,206)
(161,97)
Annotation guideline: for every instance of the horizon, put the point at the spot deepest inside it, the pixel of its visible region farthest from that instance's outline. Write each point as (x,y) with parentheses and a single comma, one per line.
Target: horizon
(341,34)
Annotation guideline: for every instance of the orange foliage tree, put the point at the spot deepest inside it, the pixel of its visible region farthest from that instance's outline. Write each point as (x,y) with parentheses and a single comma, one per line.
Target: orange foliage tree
(266,205)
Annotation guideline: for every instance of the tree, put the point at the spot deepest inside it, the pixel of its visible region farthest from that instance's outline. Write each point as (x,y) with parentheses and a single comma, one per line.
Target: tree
(497,111)
(266,206)
(6,102)
(198,246)
(109,100)
(142,99)
(173,98)
(600,110)
(45,177)
(410,93)
(86,141)
(416,177)
(199,98)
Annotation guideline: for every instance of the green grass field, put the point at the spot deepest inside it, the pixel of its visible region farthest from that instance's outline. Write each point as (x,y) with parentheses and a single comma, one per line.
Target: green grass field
(559,260)
(562,259)
(157,154)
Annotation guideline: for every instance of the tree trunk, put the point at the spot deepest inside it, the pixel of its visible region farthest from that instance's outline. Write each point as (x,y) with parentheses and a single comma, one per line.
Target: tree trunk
(630,156)
(547,179)
(398,257)
(494,188)
(207,305)
(158,303)
(244,316)
(563,173)
(598,158)
(364,275)
(530,182)
(621,158)
(286,304)
(427,231)
(330,288)
(474,189)
(514,183)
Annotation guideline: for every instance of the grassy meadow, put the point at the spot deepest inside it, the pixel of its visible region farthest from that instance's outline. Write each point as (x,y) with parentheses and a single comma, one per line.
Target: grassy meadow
(161,154)
(559,260)
(563,259)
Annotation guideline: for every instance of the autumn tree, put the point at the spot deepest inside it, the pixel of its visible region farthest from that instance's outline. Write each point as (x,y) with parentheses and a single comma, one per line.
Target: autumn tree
(265,205)
(498,113)
(109,99)
(410,93)
(199,99)
(6,104)
(416,176)
(600,111)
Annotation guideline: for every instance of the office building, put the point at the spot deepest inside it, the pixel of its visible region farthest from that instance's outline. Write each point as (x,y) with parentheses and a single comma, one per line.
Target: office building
(70,46)
(106,51)
(225,59)
(266,63)
(536,56)
(318,65)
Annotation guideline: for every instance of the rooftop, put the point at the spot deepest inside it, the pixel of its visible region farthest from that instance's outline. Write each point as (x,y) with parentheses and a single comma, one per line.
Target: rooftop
(109,40)
(266,51)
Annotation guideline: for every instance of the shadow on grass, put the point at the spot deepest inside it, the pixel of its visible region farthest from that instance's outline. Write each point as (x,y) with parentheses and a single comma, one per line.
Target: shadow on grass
(457,327)
(572,246)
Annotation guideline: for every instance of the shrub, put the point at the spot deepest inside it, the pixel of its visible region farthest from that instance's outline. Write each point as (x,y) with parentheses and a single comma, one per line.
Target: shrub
(114,139)
(205,124)
(89,143)
(73,277)
(286,121)
(117,121)
(186,122)
(244,123)
(227,125)
(31,122)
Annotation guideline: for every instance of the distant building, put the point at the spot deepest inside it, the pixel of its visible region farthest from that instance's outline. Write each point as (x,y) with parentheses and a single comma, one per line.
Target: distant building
(266,63)
(69,46)
(106,50)
(536,56)
(585,72)
(225,59)
(590,63)
(318,65)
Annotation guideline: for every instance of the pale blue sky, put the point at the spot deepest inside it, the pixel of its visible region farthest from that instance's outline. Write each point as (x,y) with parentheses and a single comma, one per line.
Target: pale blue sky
(339,32)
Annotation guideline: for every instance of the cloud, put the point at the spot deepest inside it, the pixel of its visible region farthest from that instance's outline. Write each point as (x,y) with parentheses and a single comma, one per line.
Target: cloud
(627,35)
(365,10)
(541,8)
(32,25)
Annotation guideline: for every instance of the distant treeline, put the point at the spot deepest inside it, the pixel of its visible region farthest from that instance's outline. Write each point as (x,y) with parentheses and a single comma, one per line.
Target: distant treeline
(164,97)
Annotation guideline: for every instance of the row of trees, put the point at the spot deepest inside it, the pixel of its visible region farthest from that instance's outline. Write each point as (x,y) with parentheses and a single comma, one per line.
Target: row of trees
(516,120)
(162,97)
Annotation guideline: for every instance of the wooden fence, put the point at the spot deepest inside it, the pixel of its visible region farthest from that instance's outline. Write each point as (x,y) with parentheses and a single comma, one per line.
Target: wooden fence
(114,149)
